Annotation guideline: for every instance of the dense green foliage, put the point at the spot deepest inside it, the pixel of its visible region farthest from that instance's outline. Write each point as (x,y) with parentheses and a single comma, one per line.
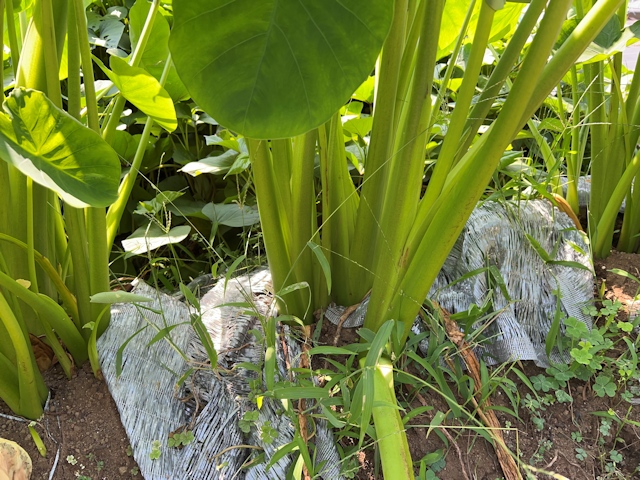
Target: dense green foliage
(349,143)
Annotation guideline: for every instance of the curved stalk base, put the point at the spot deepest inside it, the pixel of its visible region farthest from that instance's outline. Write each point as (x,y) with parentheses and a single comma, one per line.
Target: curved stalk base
(392,439)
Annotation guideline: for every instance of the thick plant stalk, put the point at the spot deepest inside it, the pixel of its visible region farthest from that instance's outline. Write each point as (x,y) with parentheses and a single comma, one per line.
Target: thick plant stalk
(9,390)
(304,222)
(500,72)
(13,38)
(449,150)
(273,225)
(468,179)
(5,197)
(631,223)
(608,217)
(282,152)
(444,85)
(597,120)
(405,179)
(574,159)
(382,140)
(95,217)
(74,85)
(75,223)
(27,396)
(46,32)
(392,440)
(31,262)
(74,217)
(68,299)
(407,63)
(51,313)
(584,33)
(339,206)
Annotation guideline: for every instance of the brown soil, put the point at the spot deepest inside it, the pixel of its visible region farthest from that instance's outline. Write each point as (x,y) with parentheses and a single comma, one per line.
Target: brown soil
(83,421)
(90,430)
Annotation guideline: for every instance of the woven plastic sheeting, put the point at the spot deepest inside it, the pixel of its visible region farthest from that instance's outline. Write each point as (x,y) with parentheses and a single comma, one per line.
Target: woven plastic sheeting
(496,234)
(230,330)
(144,393)
(150,408)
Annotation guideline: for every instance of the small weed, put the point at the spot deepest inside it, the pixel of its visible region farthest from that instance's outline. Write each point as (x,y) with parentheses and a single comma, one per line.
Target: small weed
(431,464)
(180,439)
(581,454)
(134,471)
(604,385)
(155,450)
(99,463)
(563,397)
(129,451)
(71,460)
(605,427)
(350,467)
(267,433)
(535,406)
(543,447)
(248,420)
(576,436)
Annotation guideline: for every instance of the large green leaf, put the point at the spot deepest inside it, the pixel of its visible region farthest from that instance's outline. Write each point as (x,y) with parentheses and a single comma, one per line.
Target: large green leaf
(142,89)
(216,165)
(55,150)
(156,51)
(231,214)
(276,68)
(504,23)
(105,31)
(611,39)
(150,237)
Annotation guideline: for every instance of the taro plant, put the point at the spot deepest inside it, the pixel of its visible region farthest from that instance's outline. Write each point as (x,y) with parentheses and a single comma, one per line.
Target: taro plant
(604,117)
(58,175)
(279,72)
(613,119)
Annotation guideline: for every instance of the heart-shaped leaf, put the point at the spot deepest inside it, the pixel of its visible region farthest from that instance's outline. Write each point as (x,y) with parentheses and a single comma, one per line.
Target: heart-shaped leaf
(56,151)
(216,165)
(231,215)
(150,237)
(140,88)
(274,69)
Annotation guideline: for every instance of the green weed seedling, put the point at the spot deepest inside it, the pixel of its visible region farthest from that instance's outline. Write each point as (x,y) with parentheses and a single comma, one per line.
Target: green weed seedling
(155,450)
(99,463)
(350,464)
(180,440)
(543,447)
(581,454)
(431,464)
(267,433)
(536,406)
(36,438)
(248,420)
(595,353)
